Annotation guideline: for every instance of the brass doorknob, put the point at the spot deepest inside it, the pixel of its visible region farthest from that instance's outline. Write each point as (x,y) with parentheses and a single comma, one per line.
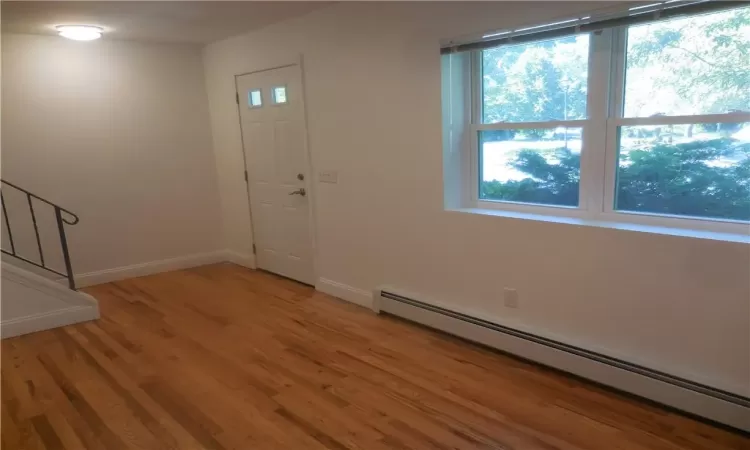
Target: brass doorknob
(300,191)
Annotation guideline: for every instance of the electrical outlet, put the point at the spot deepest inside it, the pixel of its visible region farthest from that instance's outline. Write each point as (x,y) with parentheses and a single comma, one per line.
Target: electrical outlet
(510,298)
(328,176)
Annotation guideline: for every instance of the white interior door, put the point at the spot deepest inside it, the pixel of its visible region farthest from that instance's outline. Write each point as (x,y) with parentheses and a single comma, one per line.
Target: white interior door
(272,114)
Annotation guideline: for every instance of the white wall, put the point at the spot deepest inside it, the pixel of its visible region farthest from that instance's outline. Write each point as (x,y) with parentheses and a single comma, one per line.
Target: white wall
(117,132)
(372,76)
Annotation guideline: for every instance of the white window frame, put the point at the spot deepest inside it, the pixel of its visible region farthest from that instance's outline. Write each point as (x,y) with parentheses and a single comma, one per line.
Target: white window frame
(476,125)
(605,99)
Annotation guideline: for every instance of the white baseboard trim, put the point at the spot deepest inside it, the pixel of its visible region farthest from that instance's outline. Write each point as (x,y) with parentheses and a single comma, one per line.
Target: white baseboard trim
(150,268)
(241,259)
(345,292)
(46,321)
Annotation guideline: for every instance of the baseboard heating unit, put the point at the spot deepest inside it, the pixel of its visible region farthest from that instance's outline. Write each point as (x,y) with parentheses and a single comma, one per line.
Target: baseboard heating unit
(700,400)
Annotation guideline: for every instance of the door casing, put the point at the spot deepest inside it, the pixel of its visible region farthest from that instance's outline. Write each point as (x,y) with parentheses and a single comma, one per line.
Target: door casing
(309,184)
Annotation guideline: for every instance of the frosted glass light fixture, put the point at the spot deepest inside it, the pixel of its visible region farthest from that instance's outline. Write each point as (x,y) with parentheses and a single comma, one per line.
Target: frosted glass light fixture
(80,32)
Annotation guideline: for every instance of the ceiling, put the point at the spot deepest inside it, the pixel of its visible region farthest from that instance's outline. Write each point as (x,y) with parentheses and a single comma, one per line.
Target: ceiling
(198,22)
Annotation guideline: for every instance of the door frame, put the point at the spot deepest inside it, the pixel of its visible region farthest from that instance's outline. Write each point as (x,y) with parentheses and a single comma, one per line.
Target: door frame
(309,184)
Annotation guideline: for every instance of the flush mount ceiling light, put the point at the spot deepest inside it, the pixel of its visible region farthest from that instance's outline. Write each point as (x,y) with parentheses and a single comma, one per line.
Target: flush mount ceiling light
(80,32)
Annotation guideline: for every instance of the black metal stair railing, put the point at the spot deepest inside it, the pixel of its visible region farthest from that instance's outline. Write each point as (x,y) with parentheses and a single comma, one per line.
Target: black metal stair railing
(62,217)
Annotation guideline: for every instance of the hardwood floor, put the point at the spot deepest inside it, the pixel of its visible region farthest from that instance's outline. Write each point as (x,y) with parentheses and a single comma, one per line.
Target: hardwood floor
(222,357)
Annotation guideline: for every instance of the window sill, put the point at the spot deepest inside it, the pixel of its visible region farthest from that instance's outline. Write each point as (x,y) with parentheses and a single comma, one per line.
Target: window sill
(672,231)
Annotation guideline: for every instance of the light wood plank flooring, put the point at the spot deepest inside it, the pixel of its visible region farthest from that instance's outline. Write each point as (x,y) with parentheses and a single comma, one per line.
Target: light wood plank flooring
(221,357)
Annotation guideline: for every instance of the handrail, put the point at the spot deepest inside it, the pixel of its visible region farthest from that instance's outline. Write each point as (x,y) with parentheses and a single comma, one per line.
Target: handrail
(75,217)
(60,220)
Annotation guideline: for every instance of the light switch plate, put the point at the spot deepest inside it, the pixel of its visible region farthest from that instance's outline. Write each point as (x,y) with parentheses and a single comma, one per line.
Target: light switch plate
(328,176)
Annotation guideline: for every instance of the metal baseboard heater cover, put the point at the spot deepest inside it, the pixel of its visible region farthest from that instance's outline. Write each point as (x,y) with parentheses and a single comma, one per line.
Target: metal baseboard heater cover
(700,400)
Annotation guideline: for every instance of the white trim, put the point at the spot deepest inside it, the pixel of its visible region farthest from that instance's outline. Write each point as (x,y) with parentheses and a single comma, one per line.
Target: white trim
(532,208)
(470,113)
(548,124)
(46,321)
(266,68)
(475,86)
(79,306)
(615,98)
(618,221)
(312,188)
(591,182)
(241,259)
(643,386)
(345,292)
(717,225)
(310,177)
(149,268)
(682,120)
(474,114)
(611,155)
(475,166)
(244,167)
(44,285)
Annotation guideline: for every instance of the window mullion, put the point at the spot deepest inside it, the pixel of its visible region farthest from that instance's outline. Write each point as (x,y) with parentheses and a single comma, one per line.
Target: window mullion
(475,117)
(594,135)
(476,88)
(616,101)
(617,72)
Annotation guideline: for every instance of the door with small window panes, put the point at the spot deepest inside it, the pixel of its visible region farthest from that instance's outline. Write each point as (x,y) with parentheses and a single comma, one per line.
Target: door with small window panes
(272,117)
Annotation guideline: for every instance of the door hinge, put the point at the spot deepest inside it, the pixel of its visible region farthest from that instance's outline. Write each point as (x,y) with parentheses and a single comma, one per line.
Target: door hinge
(237,97)
(254,251)
(246,178)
